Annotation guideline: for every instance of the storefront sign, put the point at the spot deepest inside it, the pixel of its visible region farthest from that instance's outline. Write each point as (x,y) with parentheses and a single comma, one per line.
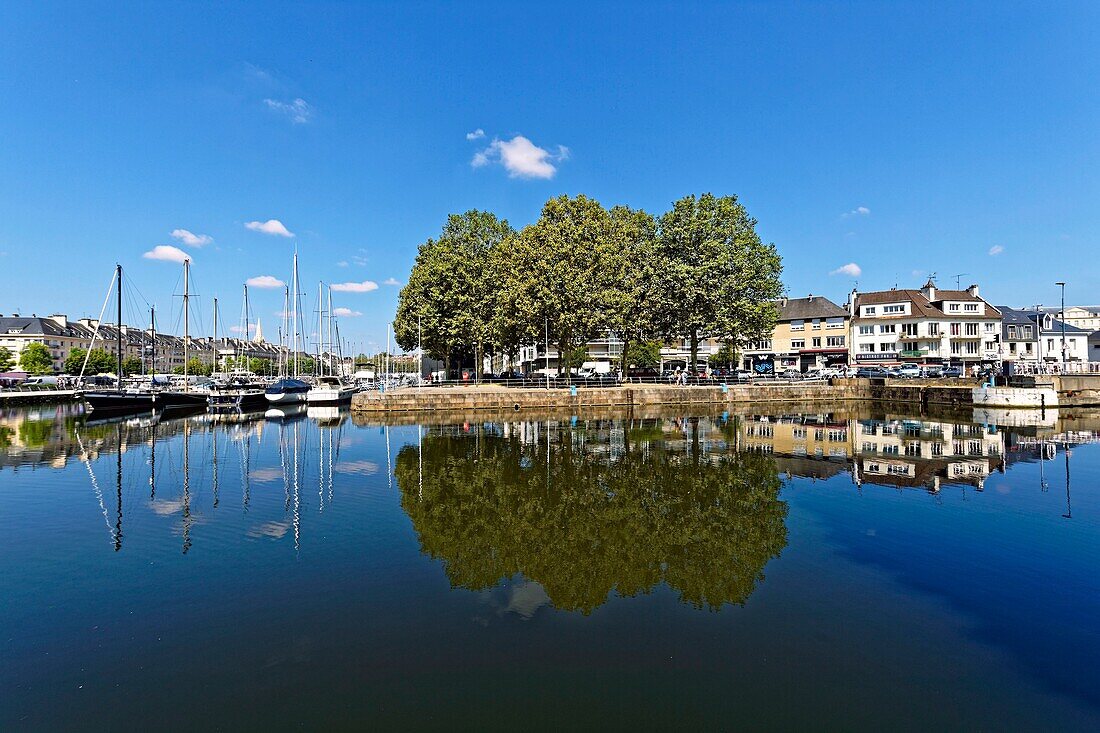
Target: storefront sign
(877,356)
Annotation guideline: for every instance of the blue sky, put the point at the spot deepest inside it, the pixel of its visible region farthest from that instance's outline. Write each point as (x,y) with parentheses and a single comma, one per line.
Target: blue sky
(901,137)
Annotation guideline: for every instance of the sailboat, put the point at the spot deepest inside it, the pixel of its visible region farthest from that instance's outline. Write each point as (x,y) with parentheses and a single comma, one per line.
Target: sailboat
(290,389)
(330,388)
(239,390)
(145,397)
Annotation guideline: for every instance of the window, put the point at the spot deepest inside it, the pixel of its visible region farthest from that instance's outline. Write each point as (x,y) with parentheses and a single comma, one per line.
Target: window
(971,307)
(893,309)
(867,347)
(1012,332)
(834,341)
(816,324)
(798,325)
(834,323)
(990,327)
(884,346)
(956,347)
(909,329)
(1012,347)
(866,330)
(1027,347)
(869,310)
(1026,332)
(971,329)
(933,329)
(953,307)
(956,329)
(937,449)
(1050,345)
(971,347)
(889,328)
(990,345)
(817,342)
(798,343)
(799,433)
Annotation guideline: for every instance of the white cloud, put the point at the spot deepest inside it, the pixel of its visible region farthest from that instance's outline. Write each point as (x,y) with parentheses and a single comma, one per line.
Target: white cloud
(271,226)
(996,250)
(298,111)
(238,329)
(264,281)
(521,158)
(364,287)
(476,134)
(858,211)
(392,281)
(191,240)
(342,263)
(345,313)
(851,270)
(167,253)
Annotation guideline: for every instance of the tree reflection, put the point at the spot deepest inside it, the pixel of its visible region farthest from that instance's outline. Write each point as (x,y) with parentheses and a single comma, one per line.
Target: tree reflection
(582,520)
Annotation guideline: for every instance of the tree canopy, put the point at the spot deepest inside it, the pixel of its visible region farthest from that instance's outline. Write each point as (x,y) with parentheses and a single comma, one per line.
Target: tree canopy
(582,271)
(35,359)
(7,361)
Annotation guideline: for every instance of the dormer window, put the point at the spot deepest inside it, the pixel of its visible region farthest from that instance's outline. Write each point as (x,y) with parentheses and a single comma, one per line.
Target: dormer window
(953,307)
(869,310)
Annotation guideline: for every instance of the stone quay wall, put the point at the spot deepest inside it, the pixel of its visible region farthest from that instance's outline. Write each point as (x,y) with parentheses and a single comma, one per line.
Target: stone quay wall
(495,398)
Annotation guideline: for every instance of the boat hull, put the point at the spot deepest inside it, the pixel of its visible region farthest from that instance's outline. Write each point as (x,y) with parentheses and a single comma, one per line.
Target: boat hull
(285,398)
(329,395)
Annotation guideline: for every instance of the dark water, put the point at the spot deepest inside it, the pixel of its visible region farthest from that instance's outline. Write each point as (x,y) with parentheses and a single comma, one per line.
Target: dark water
(852,569)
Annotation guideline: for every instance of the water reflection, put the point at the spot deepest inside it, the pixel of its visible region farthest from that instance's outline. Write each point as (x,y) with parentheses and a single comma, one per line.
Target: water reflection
(587,509)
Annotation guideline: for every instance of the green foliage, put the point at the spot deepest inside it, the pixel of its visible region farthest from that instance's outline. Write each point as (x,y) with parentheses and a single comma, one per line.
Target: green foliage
(556,274)
(583,526)
(260,366)
(448,301)
(99,362)
(131,365)
(35,359)
(7,360)
(714,277)
(198,367)
(725,356)
(643,354)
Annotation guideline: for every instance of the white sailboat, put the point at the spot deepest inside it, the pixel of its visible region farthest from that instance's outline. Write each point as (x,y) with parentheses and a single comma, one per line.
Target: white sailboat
(290,389)
(330,389)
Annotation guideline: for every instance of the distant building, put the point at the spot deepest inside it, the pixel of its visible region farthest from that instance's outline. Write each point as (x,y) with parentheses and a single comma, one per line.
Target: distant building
(1085,317)
(1036,338)
(926,326)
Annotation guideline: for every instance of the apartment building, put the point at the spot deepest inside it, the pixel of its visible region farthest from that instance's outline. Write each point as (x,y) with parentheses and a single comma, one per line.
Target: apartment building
(926,326)
(1035,337)
(810,332)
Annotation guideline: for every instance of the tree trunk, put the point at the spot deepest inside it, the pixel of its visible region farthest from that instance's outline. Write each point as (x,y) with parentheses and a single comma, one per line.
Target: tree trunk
(446,365)
(622,359)
(694,350)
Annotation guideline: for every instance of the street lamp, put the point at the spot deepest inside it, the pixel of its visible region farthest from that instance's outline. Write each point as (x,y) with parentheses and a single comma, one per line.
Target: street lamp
(1062,317)
(1038,338)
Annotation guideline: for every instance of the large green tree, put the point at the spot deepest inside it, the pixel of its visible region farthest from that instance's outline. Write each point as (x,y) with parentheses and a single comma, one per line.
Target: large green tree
(448,302)
(632,257)
(35,359)
(7,361)
(557,276)
(715,277)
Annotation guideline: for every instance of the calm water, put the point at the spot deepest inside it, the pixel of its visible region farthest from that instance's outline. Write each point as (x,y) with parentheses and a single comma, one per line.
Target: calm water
(837,570)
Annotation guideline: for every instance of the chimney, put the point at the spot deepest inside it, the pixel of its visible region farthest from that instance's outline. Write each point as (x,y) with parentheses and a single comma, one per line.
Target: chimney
(973,290)
(929,290)
(60,319)
(810,297)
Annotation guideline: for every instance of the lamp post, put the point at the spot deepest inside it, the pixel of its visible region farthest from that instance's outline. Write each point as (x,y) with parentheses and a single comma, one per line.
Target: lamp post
(1062,318)
(1038,338)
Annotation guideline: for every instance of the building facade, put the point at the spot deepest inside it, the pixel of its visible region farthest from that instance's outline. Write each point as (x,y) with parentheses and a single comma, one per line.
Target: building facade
(809,333)
(926,326)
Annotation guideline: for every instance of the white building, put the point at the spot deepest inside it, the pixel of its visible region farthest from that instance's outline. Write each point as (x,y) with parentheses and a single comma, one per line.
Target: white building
(926,326)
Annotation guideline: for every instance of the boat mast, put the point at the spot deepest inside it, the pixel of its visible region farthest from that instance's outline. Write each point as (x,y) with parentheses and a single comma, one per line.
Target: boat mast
(294,313)
(214,341)
(153,338)
(331,344)
(320,328)
(186,322)
(244,344)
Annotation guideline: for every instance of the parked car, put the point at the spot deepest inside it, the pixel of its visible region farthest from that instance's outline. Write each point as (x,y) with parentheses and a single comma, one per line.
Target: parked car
(952,371)
(909,371)
(871,372)
(601,379)
(643,374)
(790,374)
(932,371)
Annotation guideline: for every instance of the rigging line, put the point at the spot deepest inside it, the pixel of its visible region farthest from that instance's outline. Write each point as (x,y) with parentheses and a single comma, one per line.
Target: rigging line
(95,487)
(95,333)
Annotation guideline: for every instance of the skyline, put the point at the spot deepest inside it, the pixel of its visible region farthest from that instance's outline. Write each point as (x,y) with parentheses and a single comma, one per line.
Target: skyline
(876,144)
